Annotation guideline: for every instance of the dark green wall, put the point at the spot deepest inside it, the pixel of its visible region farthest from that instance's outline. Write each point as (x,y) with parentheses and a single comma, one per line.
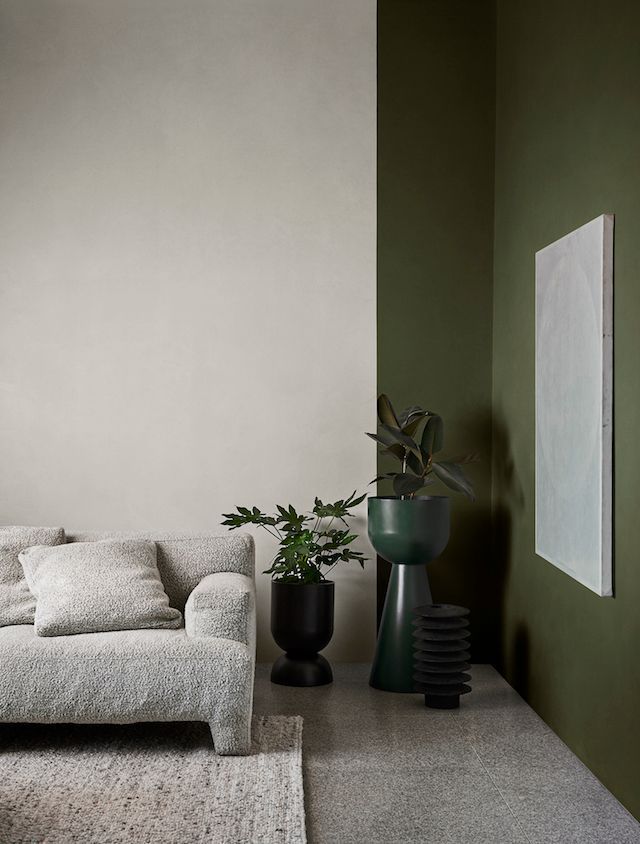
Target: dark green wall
(435,223)
(567,150)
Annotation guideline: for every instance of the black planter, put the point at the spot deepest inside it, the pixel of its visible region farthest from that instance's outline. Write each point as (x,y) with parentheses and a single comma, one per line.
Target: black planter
(302,625)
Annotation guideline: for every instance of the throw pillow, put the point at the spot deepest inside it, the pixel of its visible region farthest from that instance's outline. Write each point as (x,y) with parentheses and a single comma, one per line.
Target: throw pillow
(92,587)
(17,604)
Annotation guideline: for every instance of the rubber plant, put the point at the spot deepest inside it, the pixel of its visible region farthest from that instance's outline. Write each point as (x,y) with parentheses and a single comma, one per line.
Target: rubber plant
(309,545)
(415,437)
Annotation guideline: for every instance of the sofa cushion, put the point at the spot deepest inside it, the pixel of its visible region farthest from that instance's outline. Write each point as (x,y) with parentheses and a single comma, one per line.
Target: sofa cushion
(88,587)
(122,677)
(17,604)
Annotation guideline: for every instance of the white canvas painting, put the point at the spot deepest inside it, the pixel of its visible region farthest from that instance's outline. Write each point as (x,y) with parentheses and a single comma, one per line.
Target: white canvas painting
(574,380)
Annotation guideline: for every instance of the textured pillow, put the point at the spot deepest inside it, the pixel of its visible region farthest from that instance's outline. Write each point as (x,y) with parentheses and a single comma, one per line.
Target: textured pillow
(91,587)
(17,604)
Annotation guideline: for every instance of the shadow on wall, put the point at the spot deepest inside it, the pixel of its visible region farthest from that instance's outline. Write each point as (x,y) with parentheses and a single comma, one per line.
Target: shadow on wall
(519,674)
(465,574)
(512,657)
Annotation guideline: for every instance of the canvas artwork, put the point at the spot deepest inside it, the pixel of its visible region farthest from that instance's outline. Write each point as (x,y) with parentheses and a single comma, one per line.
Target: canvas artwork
(574,385)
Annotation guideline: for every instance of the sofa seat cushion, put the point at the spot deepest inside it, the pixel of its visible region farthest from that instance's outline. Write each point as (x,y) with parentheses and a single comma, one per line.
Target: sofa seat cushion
(119,676)
(93,587)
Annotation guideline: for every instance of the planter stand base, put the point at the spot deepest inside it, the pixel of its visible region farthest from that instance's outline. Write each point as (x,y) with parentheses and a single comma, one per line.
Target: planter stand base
(442,702)
(392,669)
(301,671)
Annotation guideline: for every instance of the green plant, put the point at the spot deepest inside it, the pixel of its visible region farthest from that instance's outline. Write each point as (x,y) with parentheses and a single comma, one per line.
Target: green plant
(414,437)
(305,550)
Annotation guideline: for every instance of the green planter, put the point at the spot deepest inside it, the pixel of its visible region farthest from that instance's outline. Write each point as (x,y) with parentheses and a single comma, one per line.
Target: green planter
(408,533)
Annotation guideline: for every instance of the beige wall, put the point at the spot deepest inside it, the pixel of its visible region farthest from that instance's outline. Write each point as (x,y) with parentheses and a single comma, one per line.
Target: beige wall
(187,311)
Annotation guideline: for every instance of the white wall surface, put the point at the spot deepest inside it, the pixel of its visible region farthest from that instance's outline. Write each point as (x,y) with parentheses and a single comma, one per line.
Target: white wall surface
(187,288)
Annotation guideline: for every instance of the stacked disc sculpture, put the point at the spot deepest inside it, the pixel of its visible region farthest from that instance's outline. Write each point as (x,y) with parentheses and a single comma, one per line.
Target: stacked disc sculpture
(441,654)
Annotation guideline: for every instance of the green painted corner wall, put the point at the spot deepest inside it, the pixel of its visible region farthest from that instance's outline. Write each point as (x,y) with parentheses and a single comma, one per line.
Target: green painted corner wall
(568,150)
(549,99)
(435,223)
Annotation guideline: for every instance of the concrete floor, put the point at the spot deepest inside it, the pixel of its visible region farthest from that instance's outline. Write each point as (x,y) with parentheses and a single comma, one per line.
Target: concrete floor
(380,767)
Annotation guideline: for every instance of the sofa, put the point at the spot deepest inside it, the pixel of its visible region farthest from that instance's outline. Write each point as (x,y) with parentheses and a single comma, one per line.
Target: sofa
(203,671)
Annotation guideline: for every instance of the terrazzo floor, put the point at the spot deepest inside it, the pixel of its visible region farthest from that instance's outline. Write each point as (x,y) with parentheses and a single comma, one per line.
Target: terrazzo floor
(380,767)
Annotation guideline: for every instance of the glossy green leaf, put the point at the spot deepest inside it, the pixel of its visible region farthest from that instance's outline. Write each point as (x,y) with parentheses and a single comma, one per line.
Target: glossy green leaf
(386,413)
(415,464)
(396,434)
(433,435)
(413,425)
(387,476)
(405,484)
(395,450)
(384,438)
(452,475)
(408,413)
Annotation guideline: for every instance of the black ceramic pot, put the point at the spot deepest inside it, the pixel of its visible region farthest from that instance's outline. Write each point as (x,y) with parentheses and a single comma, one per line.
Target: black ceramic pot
(302,625)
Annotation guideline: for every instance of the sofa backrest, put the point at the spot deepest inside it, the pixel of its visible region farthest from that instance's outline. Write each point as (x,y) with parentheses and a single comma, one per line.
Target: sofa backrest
(185,558)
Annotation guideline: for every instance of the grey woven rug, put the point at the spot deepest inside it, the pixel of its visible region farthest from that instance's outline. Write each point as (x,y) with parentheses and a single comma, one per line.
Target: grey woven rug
(139,783)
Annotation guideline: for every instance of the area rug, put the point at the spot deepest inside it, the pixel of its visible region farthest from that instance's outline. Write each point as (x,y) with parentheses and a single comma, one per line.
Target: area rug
(160,783)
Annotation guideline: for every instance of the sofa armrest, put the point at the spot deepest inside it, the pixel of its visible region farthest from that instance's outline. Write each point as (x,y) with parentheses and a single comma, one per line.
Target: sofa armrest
(223,605)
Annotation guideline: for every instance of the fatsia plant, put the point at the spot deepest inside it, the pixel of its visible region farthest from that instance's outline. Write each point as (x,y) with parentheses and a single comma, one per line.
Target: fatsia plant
(415,437)
(309,545)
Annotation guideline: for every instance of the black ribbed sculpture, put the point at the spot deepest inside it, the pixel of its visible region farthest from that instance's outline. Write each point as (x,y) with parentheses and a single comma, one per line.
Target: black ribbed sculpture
(441,654)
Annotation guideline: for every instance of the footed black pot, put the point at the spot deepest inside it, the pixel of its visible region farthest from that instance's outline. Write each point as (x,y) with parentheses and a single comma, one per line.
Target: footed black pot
(302,625)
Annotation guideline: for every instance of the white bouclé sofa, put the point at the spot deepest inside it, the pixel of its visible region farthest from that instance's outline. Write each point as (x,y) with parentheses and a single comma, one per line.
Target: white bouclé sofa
(203,671)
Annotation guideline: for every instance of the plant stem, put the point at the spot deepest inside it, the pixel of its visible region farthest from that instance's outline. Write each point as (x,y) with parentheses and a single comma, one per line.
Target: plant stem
(327,528)
(404,468)
(277,536)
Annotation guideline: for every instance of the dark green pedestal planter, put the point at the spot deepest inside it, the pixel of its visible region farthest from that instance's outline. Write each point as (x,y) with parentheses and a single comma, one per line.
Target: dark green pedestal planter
(408,533)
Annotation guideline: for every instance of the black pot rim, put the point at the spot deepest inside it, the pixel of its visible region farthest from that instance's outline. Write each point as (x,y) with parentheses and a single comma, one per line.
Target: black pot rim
(409,500)
(321,583)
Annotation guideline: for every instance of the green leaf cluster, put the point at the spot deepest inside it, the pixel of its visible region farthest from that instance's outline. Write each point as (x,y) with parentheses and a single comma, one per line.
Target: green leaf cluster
(414,437)
(309,547)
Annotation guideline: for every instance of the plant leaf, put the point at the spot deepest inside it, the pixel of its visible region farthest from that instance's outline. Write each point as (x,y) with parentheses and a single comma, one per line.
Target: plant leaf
(339,509)
(386,413)
(415,464)
(396,450)
(386,477)
(396,434)
(244,516)
(383,438)
(452,475)
(405,484)
(394,442)
(353,502)
(433,434)
(414,423)
(406,415)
